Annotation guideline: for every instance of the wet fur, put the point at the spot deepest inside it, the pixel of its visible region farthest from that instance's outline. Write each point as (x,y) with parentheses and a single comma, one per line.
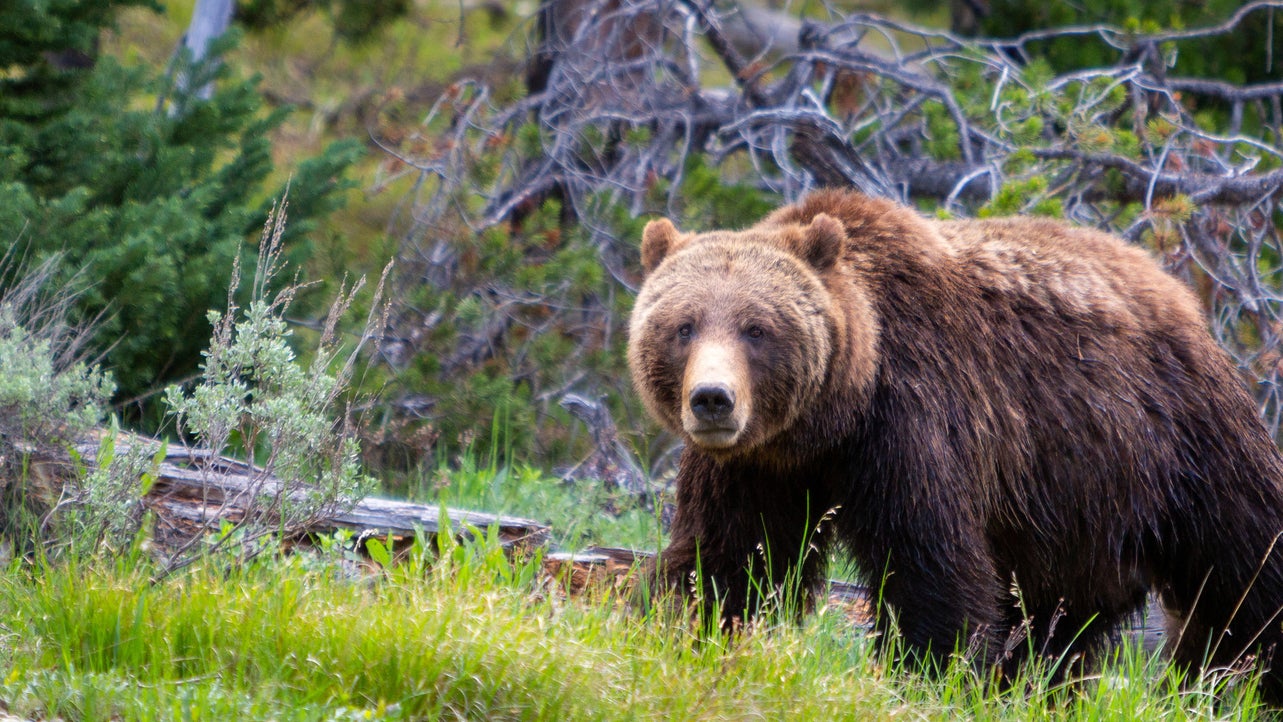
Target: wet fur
(1007,404)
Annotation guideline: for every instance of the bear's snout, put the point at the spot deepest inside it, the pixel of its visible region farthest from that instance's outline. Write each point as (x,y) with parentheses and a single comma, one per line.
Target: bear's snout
(712,402)
(715,410)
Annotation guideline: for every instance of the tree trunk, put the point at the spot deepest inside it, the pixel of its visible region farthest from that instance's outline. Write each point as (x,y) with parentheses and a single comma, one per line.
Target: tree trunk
(210,19)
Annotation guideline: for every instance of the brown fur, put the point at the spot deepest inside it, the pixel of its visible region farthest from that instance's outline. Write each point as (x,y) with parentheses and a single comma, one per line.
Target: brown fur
(984,408)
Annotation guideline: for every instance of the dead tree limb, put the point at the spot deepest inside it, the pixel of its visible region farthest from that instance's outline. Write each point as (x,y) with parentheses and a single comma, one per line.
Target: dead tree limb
(964,125)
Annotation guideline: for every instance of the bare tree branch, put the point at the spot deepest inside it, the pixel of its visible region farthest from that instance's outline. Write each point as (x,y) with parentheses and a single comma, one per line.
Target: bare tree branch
(1226,91)
(631,92)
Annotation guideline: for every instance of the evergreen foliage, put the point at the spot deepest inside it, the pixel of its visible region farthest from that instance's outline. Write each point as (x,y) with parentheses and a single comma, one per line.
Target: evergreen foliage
(354,20)
(1246,57)
(142,187)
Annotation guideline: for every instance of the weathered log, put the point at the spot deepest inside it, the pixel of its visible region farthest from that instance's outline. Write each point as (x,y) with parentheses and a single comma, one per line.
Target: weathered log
(196,489)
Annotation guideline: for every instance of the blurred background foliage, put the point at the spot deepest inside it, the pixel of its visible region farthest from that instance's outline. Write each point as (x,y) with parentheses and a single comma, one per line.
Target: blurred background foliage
(1249,55)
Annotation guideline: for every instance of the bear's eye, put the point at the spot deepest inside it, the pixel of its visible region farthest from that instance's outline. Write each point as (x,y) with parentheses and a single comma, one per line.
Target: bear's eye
(685,331)
(755,332)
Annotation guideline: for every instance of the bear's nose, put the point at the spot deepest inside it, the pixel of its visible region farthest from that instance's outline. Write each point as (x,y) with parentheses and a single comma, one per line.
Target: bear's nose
(712,402)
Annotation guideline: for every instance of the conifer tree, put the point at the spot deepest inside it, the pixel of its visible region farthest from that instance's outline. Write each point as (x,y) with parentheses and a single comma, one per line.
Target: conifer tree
(142,187)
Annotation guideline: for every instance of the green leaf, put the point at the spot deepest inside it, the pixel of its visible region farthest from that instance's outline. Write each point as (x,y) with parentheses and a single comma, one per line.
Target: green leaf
(379,551)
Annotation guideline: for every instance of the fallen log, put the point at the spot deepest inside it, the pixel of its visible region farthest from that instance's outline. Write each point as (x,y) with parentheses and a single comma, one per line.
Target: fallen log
(195,490)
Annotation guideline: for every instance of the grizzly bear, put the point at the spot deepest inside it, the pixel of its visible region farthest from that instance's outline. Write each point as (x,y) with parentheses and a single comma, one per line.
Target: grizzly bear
(1013,426)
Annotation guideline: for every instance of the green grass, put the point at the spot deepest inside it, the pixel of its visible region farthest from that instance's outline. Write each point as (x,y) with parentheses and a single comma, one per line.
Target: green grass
(472,636)
(581,514)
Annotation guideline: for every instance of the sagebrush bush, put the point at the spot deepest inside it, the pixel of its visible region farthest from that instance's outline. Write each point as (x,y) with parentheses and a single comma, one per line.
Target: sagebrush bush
(51,398)
(41,403)
(255,401)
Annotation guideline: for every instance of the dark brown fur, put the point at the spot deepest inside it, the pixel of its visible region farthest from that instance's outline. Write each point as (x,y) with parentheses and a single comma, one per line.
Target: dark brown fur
(1006,406)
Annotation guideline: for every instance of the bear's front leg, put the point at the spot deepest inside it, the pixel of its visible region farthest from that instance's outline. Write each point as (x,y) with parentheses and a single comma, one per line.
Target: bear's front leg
(939,593)
(744,539)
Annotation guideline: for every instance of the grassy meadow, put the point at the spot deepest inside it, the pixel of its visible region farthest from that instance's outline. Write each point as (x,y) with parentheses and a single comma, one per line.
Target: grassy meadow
(459,629)
(464,632)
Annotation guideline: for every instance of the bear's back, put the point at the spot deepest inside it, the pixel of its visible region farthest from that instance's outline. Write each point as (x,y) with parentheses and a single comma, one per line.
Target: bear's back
(1066,270)
(1072,271)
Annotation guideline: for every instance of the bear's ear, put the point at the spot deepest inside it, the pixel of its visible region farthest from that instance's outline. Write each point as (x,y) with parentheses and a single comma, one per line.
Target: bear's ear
(659,239)
(822,242)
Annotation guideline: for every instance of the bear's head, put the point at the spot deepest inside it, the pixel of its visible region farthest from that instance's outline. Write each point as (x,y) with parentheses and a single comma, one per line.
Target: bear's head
(733,334)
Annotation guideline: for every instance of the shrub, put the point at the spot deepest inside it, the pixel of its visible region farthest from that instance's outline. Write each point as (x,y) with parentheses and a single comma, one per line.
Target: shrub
(254,400)
(53,498)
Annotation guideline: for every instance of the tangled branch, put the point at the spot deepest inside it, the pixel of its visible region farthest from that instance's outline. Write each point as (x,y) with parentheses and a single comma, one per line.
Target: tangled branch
(628,92)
